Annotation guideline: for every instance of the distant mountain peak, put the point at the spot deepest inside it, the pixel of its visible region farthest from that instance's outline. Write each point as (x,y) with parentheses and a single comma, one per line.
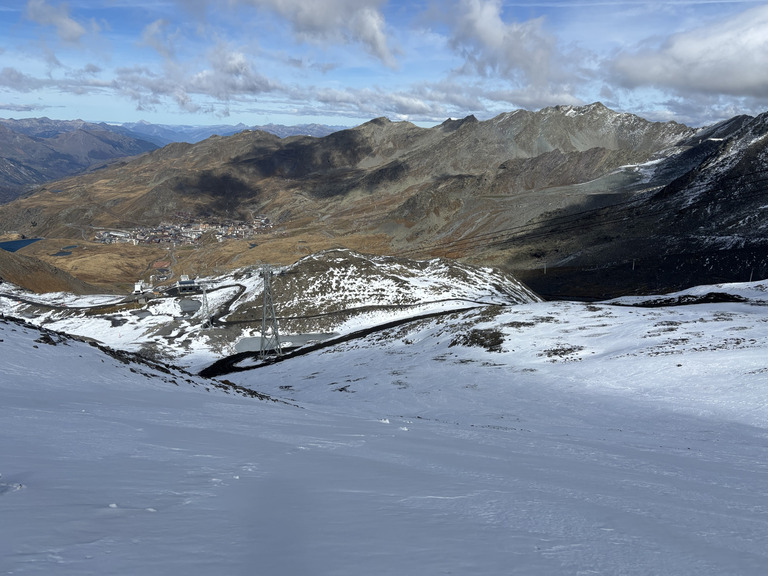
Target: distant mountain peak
(380,121)
(570,110)
(455,123)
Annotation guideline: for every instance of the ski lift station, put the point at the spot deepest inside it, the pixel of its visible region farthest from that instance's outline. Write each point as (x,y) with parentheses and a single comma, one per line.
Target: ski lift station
(186,285)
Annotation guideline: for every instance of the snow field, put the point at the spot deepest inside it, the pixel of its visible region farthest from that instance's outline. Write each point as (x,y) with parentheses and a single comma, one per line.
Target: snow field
(600,439)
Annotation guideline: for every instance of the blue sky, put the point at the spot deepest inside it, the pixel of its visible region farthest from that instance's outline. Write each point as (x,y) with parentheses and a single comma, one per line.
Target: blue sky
(343,62)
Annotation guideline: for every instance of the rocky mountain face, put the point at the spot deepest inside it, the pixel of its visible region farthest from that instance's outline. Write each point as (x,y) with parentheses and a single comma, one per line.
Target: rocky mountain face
(579,201)
(381,163)
(703,222)
(41,150)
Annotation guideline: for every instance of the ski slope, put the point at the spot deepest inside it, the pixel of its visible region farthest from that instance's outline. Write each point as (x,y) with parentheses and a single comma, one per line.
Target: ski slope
(598,439)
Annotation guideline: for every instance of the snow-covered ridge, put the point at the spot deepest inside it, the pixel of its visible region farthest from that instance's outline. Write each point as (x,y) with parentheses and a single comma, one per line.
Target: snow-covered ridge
(738,164)
(334,291)
(341,277)
(753,292)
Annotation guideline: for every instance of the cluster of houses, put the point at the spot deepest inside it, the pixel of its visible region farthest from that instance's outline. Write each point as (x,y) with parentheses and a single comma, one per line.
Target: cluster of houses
(185,233)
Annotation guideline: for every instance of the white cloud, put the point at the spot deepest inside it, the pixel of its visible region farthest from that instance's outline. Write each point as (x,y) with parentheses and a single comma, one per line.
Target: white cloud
(328,21)
(230,75)
(45,14)
(726,58)
(16,80)
(506,63)
(521,52)
(366,58)
(20,107)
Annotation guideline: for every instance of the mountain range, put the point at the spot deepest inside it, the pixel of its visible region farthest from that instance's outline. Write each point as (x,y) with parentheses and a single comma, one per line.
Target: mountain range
(163,134)
(38,150)
(578,201)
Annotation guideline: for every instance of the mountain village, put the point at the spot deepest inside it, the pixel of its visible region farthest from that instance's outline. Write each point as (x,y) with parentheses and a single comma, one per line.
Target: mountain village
(188,232)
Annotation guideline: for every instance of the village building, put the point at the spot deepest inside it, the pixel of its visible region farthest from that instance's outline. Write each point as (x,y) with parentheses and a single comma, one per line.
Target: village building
(187,285)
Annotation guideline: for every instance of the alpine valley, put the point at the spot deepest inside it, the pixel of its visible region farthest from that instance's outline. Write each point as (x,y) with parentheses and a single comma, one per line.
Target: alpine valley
(574,201)
(532,345)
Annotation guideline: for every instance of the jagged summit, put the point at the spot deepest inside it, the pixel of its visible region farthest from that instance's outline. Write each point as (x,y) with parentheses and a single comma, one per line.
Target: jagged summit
(451,124)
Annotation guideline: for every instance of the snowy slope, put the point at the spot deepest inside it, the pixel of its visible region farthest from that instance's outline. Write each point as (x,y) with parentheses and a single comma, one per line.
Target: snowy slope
(333,291)
(540,438)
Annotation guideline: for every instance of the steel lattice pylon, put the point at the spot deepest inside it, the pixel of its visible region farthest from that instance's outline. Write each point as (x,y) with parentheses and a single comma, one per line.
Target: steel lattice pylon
(207,322)
(270,337)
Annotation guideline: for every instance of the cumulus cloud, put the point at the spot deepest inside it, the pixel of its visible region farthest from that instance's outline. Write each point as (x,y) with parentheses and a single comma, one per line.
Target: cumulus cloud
(80,81)
(520,52)
(514,63)
(68,29)
(91,70)
(16,80)
(325,21)
(726,58)
(141,85)
(228,77)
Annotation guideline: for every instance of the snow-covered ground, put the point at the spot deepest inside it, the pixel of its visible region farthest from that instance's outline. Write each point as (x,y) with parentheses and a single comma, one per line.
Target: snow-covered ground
(536,439)
(377,289)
